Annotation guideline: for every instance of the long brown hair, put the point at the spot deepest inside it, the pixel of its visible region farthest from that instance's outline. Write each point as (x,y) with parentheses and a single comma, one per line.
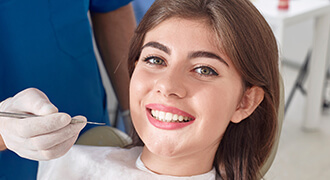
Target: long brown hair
(245,37)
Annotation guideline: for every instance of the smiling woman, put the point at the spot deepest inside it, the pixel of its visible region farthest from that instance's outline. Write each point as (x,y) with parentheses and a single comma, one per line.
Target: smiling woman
(204,98)
(215,63)
(187,78)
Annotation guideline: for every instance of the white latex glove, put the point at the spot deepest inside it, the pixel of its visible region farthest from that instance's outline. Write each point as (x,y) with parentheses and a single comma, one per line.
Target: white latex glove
(37,138)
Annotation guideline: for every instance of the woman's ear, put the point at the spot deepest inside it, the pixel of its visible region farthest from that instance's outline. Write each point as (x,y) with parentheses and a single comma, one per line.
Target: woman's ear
(251,99)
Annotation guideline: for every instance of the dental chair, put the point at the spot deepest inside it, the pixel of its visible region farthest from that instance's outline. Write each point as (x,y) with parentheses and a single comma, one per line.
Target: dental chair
(109,136)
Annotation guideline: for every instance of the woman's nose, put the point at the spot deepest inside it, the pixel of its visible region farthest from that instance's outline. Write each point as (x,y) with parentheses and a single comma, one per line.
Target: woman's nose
(171,84)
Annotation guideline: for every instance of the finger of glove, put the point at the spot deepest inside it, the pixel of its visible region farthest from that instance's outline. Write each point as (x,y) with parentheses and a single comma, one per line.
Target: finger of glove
(47,141)
(30,127)
(60,149)
(14,143)
(52,153)
(29,101)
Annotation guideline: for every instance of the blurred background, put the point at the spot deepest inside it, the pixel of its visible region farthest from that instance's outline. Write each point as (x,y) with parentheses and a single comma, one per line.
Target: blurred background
(304,148)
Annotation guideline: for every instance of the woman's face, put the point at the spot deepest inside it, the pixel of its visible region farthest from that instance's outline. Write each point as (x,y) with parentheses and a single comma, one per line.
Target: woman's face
(184,91)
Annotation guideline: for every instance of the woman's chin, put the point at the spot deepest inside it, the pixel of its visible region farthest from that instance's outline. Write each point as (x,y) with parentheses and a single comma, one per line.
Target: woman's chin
(163,149)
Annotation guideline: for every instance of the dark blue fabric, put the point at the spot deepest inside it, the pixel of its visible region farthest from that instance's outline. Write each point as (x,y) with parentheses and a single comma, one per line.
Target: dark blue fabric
(107,5)
(47,44)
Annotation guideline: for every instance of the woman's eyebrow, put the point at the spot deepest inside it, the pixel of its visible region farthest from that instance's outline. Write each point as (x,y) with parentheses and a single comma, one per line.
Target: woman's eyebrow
(195,54)
(157,45)
(207,55)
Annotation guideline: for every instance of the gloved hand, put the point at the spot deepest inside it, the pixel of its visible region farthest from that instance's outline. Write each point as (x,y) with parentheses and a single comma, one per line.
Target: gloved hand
(38,138)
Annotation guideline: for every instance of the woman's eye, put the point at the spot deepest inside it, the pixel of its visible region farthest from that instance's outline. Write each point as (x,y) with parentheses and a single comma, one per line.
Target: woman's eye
(206,71)
(154,60)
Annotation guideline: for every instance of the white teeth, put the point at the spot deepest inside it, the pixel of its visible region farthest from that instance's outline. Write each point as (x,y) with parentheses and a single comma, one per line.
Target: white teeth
(168,117)
(161,115)
(175,117)
(156,113)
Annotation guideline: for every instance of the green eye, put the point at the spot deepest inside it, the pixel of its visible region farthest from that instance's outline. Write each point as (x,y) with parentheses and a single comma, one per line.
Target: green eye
(206,71)
(154,60)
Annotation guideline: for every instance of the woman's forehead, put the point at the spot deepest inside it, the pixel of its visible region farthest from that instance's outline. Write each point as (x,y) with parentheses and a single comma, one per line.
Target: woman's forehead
(182,27)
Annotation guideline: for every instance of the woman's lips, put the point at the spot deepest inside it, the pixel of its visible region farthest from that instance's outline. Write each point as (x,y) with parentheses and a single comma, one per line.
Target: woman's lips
(166,117)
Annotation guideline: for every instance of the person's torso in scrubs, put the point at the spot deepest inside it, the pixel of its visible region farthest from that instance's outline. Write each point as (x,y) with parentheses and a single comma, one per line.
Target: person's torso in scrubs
(48,45)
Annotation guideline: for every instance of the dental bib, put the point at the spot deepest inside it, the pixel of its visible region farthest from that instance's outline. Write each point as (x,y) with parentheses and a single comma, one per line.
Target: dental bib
(94,162)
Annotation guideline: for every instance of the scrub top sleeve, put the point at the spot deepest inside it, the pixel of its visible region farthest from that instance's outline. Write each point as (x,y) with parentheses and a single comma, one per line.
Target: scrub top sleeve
(102,6)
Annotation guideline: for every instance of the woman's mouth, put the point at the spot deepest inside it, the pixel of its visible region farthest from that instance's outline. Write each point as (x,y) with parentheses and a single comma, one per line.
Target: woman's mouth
(169,117)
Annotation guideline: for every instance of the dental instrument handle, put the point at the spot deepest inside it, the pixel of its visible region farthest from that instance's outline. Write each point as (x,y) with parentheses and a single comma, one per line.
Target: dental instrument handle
(22,116)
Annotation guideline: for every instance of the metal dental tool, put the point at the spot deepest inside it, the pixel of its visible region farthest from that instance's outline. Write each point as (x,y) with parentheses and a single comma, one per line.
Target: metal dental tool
(22,116)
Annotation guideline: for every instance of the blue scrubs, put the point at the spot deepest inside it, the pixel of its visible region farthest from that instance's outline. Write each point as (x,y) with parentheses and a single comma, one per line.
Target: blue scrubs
(141,7)
(47,44)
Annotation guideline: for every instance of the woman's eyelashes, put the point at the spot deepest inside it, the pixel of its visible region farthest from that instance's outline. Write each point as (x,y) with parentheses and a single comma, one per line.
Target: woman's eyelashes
(202,70)
(154,60)
(205,71)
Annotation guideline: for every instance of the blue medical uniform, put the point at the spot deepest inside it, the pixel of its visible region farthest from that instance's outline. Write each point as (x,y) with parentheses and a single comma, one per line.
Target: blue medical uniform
(140,8)
(47,44)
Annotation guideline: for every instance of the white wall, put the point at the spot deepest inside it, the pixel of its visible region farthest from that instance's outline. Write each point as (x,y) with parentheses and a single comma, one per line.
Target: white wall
(298,40)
